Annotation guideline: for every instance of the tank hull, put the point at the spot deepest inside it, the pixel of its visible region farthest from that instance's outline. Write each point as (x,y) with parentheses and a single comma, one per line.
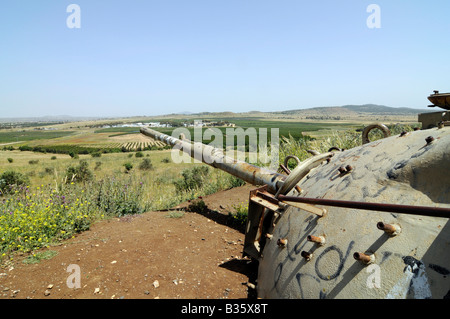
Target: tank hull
(414,263)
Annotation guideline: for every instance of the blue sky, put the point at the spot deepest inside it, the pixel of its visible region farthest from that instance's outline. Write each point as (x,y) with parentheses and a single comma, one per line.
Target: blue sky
(158,57)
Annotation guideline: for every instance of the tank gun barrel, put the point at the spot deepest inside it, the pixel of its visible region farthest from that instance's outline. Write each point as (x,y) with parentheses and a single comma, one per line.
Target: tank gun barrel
(215,157)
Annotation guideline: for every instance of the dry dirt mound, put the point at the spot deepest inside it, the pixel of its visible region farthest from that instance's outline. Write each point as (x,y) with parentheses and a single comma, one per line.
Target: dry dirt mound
(150,255)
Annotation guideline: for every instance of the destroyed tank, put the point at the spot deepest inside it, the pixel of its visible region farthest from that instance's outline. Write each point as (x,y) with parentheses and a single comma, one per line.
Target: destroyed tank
(368,222)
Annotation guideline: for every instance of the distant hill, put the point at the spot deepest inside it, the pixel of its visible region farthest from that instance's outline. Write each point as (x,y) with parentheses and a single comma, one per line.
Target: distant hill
(382,109)
(353,109)
(47,119)
(345,112)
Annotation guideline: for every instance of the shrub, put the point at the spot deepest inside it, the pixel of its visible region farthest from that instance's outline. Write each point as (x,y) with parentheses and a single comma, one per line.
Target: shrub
(73,154)
(97,166)
(80,173)
(53,158)
(49,170)
(11,179)
(240,216)
(235,181)
(128,167)
(32,162)
(119,198)
(146,164)
(192,178)
(96,154)
(10,160)
(139,154)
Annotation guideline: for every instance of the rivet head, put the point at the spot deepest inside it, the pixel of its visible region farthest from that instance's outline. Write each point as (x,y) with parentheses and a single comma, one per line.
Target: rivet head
(306,255)
(342,170)
(316,239)
(282,242)
(390,229)
(364,258)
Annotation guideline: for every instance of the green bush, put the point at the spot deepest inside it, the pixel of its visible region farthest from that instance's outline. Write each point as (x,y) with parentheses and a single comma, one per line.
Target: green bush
(80,173)
(192,178)
(97,166)
(49,170)
(240,216)
(146,164)
(235,181)
(128,167)
(11,179)
(139,154)
(73,154)
(119,197)
(10,160)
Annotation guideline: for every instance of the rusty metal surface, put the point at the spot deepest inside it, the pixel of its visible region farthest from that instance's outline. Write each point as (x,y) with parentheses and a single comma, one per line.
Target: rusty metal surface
(367,129)
(440,99)
(407,253)
(430,120)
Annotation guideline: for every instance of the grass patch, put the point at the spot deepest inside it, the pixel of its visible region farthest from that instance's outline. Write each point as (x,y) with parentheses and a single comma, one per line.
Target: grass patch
(175,214)
(37,257)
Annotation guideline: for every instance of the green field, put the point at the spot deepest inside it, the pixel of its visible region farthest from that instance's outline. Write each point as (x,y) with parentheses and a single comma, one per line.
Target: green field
(286,128)
(123,139)
(123,130)
(30,135)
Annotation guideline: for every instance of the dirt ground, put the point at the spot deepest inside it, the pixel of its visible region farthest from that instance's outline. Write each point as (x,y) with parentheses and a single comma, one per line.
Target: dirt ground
(152,255)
